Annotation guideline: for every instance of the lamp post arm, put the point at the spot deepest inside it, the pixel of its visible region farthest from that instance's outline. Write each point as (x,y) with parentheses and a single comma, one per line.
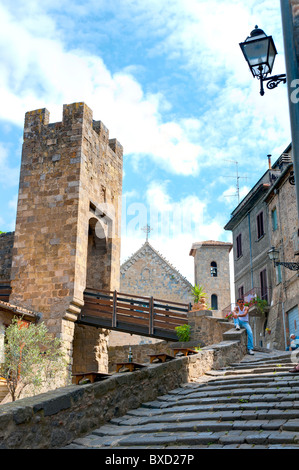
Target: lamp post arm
(291,266)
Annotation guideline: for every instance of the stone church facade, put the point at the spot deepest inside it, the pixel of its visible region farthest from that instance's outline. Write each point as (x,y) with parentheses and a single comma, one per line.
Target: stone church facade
(148,274)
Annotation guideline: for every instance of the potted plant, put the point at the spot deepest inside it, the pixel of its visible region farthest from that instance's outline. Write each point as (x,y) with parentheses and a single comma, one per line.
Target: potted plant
(260,304)
(199,298)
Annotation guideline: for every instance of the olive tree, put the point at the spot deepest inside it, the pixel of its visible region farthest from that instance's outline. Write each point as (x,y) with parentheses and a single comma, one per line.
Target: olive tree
(32,357)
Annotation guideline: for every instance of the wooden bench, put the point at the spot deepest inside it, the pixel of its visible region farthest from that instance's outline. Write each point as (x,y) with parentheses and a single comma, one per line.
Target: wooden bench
(185,351)
(130,365)
(162,357)
(91,376)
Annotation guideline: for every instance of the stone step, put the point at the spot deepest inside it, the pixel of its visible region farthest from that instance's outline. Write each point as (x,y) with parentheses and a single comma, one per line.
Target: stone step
(192,438)
(238,387)
(251,405)
(269,360)
(241,395)
(200,426)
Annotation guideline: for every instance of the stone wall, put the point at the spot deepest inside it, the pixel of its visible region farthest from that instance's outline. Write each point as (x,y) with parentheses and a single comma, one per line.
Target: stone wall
(205,328)
(54,419)
(90,349)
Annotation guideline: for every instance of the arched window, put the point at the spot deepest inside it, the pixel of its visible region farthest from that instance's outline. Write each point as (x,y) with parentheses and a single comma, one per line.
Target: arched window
(214,302)
(213,269)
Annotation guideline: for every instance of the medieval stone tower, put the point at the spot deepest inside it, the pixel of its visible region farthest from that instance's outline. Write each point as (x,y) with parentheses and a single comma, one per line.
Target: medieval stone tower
(67,227)
(211,270)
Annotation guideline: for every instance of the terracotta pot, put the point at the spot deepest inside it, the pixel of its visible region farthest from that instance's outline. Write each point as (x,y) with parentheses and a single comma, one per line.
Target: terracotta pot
(201,305)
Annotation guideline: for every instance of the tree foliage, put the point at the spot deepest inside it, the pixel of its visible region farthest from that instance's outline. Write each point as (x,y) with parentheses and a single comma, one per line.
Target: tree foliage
(32,356)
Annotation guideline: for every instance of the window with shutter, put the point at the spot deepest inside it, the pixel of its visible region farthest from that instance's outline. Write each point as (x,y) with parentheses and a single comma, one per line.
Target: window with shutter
(260,225)
(239,245)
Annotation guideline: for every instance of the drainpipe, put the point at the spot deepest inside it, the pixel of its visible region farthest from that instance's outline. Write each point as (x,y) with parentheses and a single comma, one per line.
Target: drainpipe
(251,273)
(284,325)
(250,250)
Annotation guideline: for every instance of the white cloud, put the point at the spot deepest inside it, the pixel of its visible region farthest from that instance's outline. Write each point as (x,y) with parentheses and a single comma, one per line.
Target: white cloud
(39,72)
(175,225)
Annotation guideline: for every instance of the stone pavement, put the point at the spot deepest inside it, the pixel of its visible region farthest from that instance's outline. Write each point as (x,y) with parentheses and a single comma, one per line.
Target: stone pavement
(252,404)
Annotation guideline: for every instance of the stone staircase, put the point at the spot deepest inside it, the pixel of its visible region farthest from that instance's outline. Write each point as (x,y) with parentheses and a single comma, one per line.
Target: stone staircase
(251,404)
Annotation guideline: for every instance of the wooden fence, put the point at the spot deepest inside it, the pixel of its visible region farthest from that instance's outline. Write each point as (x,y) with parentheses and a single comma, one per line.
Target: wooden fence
(133,314)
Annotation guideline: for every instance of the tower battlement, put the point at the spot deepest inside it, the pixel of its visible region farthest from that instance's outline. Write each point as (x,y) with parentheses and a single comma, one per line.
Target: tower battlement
(75,118)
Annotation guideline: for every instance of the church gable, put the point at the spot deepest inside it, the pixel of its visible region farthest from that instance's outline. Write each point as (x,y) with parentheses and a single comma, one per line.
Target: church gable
(147,273)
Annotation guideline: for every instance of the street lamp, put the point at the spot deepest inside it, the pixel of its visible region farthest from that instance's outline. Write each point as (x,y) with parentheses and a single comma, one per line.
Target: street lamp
(259,51)
(274,256)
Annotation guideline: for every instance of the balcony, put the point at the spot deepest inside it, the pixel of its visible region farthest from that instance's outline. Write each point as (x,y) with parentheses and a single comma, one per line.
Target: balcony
(258,301)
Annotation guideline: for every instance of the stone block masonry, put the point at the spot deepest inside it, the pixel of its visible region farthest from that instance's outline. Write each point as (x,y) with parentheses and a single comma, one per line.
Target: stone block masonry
(70,172)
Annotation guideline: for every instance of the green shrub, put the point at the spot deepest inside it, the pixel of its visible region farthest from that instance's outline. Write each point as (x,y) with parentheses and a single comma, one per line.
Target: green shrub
(183,332)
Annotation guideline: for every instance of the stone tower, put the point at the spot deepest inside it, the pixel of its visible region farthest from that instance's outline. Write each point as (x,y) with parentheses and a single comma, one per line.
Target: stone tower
(68,220)
(211,270)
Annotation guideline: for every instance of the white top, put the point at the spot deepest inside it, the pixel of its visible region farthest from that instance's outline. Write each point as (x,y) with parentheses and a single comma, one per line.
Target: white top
(242,311)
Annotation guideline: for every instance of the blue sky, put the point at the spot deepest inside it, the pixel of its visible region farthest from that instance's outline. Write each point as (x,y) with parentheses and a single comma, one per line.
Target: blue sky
(169,81)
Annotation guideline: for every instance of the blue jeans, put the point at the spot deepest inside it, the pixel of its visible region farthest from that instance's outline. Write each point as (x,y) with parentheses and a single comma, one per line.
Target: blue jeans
(245,324)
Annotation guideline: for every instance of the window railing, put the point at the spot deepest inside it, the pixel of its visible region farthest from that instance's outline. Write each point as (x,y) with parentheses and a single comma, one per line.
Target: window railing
(264,294)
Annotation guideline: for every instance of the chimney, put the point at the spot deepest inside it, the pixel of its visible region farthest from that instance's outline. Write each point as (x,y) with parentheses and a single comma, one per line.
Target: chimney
(269,161)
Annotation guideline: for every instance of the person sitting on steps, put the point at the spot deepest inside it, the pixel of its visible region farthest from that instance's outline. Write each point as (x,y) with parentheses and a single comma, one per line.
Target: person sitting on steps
(240,316)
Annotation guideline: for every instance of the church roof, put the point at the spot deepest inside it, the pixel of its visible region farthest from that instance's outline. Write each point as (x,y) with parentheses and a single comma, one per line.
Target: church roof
(145,249)
(209,243)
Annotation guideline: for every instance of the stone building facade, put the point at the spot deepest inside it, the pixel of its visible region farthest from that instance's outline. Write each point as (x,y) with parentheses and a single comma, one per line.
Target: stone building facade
(67,227)
(212,271)
(283,318)
(251,226)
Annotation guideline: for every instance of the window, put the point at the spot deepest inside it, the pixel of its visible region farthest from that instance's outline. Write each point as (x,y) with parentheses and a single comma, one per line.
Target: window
(214,302)
(260,225)
(239,245)
(213,269)
(274,219)
(241,292)
(264,287)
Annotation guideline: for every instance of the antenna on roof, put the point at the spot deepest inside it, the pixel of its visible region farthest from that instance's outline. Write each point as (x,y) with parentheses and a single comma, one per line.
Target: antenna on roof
(237,184)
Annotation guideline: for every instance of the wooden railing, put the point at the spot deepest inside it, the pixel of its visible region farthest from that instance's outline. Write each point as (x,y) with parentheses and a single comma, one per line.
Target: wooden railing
(133,314)
(5,290)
